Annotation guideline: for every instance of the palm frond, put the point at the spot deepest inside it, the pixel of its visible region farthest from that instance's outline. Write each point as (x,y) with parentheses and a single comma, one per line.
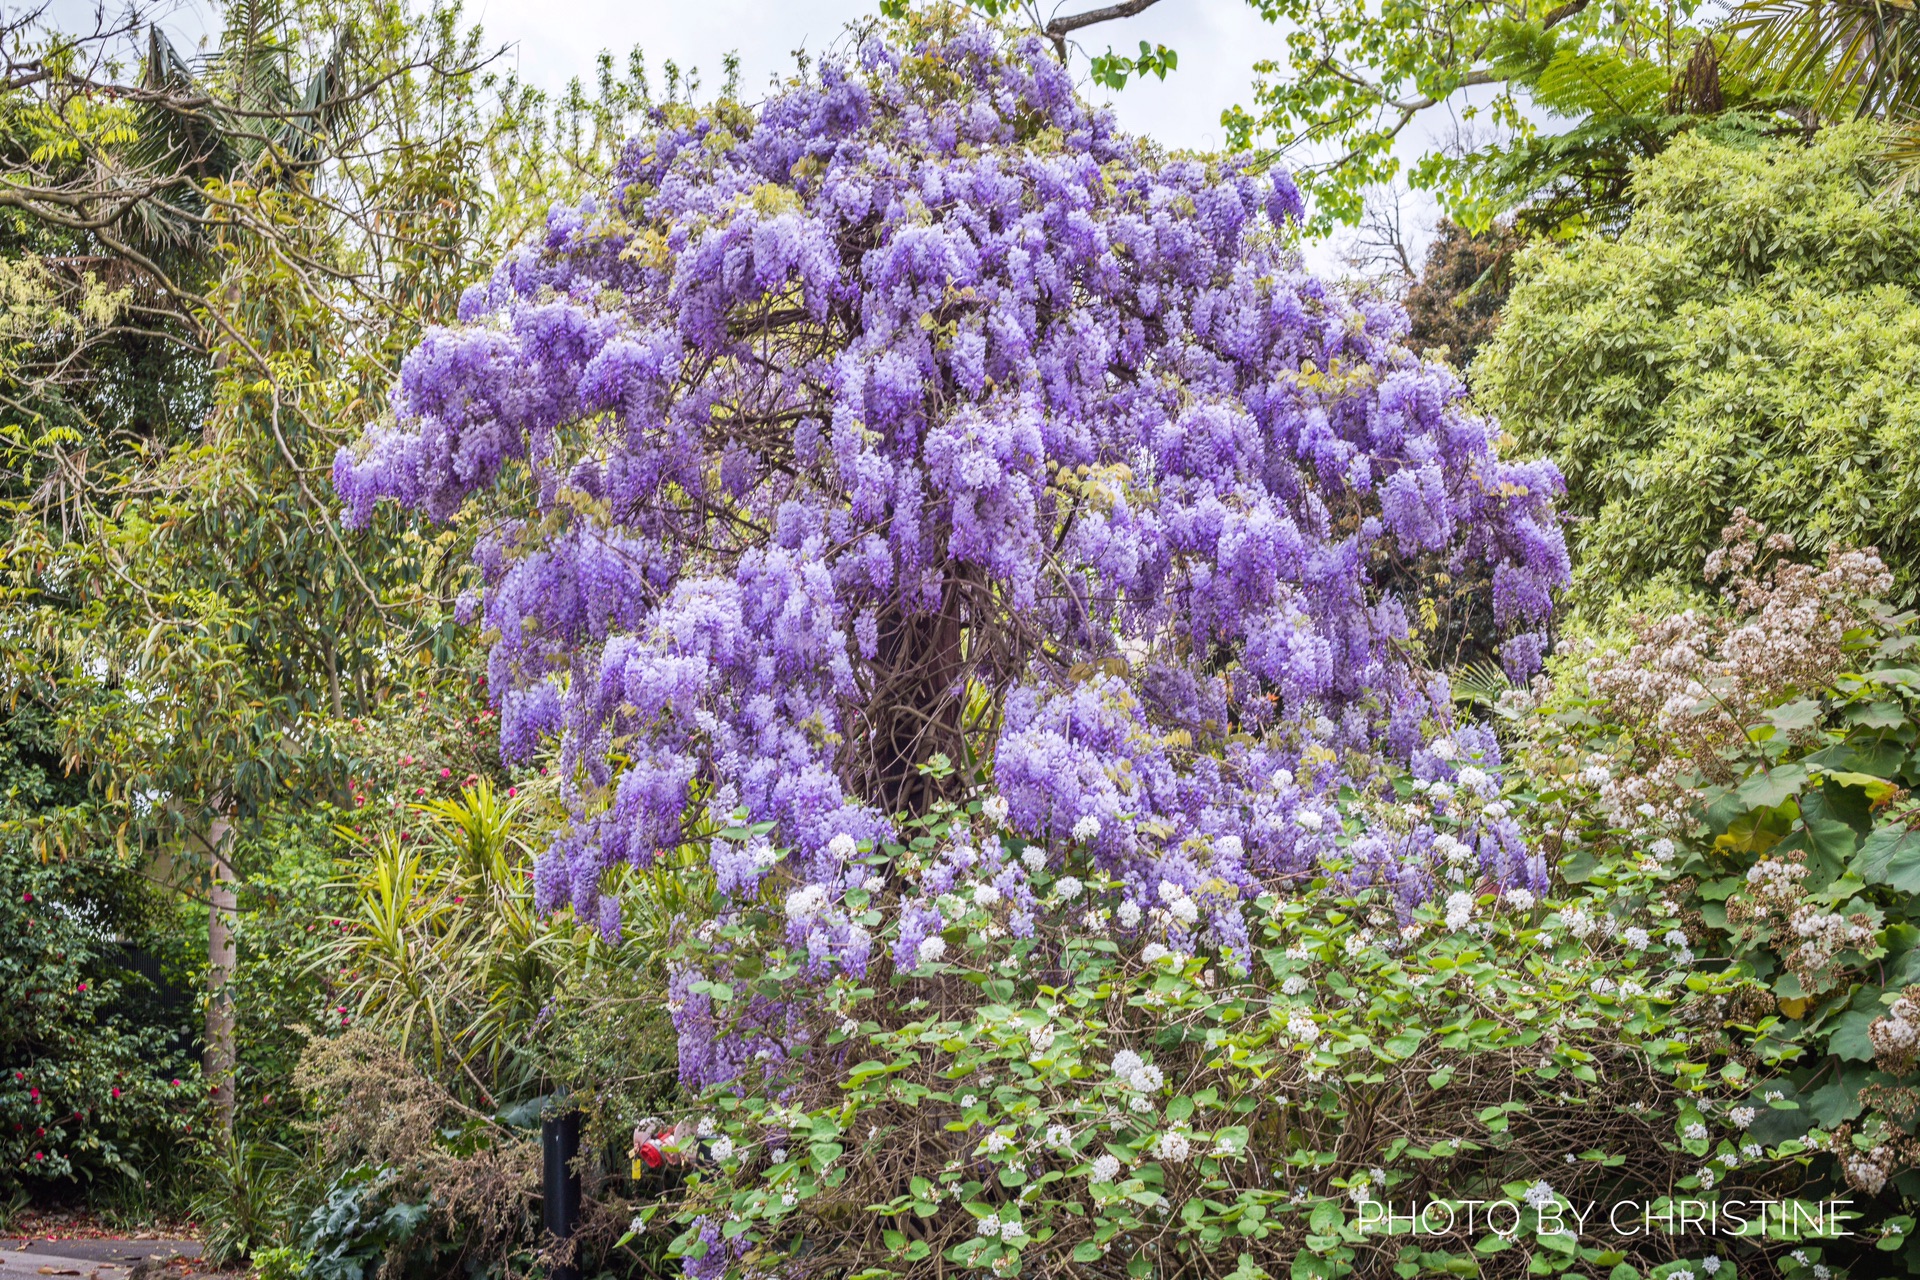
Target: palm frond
(1857,56)
(1481,683)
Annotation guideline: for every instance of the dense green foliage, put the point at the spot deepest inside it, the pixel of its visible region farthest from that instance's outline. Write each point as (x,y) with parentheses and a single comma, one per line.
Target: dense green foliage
(1749,340)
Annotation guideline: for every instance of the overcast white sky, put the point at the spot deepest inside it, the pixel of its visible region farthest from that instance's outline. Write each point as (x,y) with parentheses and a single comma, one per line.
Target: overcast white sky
(551,41)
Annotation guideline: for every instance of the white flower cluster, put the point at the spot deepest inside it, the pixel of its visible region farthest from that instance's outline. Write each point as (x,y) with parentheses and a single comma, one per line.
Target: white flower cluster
(1129,914)
(1034,859)
(1068,887)
(1105,1169)
(1540,1194)
(843,847)
(1301,1026)
(806,903)
(1742,1117)
(1896,1037)
(1519,899)
(932,948)
(994,809)
(1041,1037)
(1459,909)
(1136,1073)
(1086,829)
(1294,985)
(1173,1147)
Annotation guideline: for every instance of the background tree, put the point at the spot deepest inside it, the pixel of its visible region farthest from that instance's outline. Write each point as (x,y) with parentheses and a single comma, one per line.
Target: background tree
(276,216)
(1746,341)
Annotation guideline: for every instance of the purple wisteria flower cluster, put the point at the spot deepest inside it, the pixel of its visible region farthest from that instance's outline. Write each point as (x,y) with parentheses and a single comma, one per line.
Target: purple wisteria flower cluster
(919,409)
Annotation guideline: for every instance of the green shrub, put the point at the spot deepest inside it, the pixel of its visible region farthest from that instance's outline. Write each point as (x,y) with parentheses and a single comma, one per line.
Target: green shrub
(1748,341)
(1762,759)
(1074,1100)
(98,1082)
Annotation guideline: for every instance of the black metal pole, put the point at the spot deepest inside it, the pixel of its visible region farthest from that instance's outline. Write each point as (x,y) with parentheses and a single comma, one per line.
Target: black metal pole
(560,1184)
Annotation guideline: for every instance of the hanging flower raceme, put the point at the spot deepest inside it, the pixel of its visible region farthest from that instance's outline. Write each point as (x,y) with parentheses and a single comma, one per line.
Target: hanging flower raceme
(921,382)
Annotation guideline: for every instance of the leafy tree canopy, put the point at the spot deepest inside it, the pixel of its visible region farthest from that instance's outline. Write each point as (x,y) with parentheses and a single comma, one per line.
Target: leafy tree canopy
(1748,341)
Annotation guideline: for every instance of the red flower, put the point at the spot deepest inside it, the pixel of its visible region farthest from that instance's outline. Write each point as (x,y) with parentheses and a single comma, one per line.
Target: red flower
(116,1091)
(83,986)
(176,1084)
(38,1156)
(26,897)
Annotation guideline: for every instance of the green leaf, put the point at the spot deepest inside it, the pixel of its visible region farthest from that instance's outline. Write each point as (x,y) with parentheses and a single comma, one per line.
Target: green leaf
(1891,856)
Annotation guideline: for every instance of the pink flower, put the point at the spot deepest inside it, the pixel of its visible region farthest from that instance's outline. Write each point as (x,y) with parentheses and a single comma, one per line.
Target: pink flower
(176,1084)
(446,773)
(116,1091)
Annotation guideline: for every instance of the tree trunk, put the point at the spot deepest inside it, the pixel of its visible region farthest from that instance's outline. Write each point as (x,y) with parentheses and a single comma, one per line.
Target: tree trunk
(223,900)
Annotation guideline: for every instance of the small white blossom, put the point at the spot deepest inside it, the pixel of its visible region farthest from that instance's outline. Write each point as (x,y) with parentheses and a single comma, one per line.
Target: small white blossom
(1147,1079)
(1173,1147)
(1634,936)
(1034,858)
(1184,910)
(708,1127)
(989,1225)
(843,846)
(1443,749)
(994,809)
(1129,914)
(1229,847)
(1058,1136)
(1520,899)
(986,896)
(1087,828)
(1068,887)
(722,1147)
(932,947)
(996,1143)
(1710,1265)
(1540,1194)
(1459,909)
(1126,1062)
(1105,1169)
(1308,820)
(1294,984)
(1695,1132)
(804,904)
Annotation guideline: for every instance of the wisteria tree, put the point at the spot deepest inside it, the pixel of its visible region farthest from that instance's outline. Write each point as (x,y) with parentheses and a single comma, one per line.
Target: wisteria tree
(917,416)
